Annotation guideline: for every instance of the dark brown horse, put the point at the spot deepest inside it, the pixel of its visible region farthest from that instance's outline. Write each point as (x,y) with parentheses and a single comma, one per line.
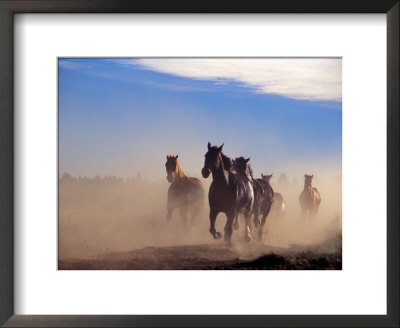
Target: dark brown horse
(267,201)
(240,164)
(310,197)
(230,192)
(263,195)
(185,193)
(278,205)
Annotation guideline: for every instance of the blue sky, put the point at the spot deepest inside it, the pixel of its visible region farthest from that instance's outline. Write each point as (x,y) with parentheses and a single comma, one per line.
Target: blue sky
(123,116)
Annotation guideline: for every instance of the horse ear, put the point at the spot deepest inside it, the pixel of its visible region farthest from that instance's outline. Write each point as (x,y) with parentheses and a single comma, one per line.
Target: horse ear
(262,175)
(167,157)
(176,157)
(220,148)
(305,175)
(247,160)
(209,145)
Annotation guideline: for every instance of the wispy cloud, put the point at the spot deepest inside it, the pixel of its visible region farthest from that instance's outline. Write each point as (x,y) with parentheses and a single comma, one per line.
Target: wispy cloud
(150,83)
(300,78)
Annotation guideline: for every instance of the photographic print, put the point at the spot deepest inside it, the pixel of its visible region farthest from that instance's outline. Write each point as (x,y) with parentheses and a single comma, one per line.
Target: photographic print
(199,163)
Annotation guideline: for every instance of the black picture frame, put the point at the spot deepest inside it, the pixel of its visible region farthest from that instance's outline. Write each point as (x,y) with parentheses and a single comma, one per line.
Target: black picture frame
(7,11)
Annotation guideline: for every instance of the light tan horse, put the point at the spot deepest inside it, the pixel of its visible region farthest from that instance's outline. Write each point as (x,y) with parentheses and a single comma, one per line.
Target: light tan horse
(310,197)
(184,193)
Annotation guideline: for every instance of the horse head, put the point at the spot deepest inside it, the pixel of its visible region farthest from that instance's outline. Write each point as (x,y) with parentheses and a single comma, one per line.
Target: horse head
(172,167)
(212,161)
(266,177)
(240,163)
(308,179)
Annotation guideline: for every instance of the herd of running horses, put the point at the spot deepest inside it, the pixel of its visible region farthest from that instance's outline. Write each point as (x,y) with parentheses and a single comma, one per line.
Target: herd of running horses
(233,190)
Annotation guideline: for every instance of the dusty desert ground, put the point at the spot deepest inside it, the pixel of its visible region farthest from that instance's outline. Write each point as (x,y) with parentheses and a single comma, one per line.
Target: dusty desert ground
(116,224)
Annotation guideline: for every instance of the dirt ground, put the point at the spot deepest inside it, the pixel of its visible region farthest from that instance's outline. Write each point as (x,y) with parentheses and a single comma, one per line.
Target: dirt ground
(211,256)
(109,224)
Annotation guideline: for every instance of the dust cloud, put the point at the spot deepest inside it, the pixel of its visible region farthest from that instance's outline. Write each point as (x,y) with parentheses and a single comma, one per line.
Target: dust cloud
(103,215)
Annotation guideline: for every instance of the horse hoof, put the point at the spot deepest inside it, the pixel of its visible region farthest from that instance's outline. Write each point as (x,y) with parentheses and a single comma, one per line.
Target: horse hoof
(217,235)
(228,237)
(236,226)
(247,238)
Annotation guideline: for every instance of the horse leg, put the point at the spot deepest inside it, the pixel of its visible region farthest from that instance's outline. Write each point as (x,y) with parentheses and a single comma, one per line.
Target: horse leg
(169,213)
(228,227)
(213,217)
(183,214)
(312,209)
(264,218)
(236,223)
(247,234)
(316,206)
(273,212)
(281,209)
(256,221)
(313,212)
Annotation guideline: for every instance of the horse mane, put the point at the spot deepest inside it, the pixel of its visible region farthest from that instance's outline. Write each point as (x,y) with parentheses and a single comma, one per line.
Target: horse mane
(250,170)
(179,169)
(227,161)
